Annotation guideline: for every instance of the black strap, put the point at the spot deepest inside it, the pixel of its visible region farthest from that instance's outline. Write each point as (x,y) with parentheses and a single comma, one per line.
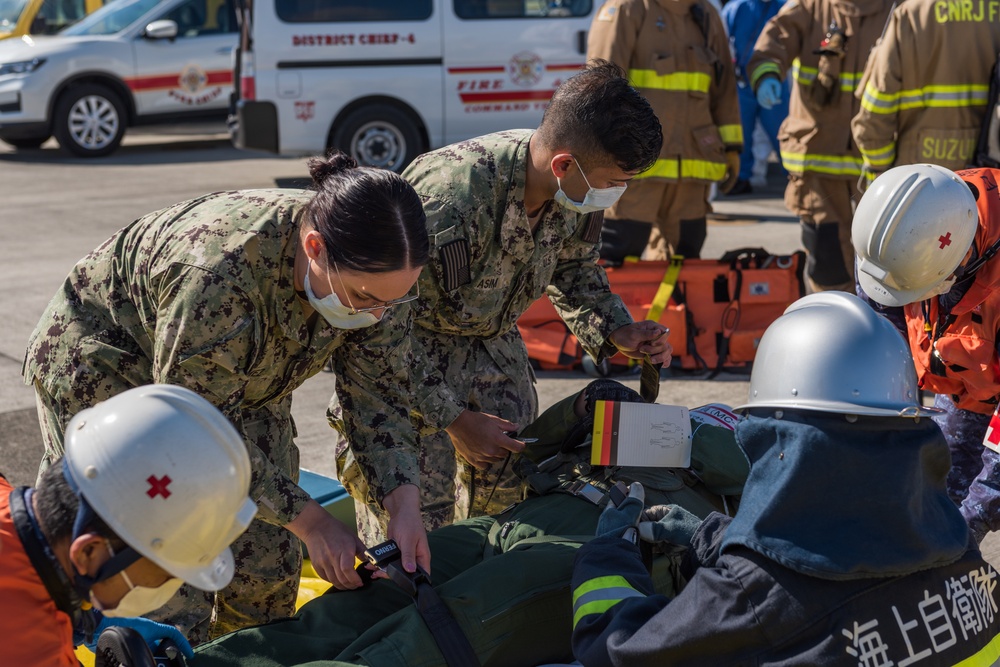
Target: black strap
(493,489)
(448,635)
(730,320)
(54,578)
(454,645)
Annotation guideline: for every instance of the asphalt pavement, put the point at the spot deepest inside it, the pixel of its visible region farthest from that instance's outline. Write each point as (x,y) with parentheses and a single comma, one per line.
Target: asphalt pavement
(54,209)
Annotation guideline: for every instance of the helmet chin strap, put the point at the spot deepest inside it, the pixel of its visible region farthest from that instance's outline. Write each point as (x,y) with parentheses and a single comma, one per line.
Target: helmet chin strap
(85,515)
(977,263)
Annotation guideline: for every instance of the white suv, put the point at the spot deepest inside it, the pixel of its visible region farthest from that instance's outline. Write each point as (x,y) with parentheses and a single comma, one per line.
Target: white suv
(131,62)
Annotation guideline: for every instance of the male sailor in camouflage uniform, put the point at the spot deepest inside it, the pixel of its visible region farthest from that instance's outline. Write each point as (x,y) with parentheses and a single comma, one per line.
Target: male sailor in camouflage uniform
(203,294)
(511,216)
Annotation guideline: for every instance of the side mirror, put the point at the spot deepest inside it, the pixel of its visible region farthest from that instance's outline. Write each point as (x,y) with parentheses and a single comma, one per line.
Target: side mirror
(162,29)
(38,26)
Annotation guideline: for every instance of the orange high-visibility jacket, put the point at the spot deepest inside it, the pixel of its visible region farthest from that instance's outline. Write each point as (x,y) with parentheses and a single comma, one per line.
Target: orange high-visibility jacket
(968,368)
(32,630)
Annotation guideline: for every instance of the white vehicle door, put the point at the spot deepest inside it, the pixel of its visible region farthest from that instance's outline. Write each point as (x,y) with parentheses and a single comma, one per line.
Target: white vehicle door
(504,58)
(192,72)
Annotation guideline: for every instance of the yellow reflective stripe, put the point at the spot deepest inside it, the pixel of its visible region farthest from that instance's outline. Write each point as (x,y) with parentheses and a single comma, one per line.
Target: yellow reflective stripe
(703,169)
(986,656)
(762,69)
(660,169)
(731,134)
(595,607)
(647,78)
(880,157)
(850,80)
(837,165)
(596,596)
(709,171)
(806,76)
(951,96)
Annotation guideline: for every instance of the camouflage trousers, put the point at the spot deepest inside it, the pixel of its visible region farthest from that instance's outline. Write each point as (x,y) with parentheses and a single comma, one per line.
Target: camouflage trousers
(451,489)
(268,558)
(974,479)
(264,587)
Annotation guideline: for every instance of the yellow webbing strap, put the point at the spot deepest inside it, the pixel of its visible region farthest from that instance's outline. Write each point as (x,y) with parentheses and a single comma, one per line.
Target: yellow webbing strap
(666,289)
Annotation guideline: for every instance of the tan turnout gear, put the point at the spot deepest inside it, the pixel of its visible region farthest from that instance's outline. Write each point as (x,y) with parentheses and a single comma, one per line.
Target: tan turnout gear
(825,44)
(927,83)
(676,53)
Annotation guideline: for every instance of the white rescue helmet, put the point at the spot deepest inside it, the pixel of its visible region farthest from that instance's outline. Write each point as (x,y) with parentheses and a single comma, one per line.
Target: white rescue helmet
(831,352)
(912,229)
(169,475)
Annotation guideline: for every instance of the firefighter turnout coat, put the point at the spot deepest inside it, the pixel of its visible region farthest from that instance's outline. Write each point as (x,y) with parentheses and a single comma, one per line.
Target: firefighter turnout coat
(927,84)
(816,136)
(677,54)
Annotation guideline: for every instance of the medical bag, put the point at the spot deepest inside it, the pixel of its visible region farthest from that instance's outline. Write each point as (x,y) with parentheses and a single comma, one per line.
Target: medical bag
(716,309)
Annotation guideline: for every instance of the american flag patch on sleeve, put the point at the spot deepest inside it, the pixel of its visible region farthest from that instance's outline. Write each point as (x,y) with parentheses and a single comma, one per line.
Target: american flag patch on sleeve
(454,257)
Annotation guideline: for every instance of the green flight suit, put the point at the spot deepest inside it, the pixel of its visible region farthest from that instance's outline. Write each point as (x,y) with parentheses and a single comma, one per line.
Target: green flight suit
(505,579)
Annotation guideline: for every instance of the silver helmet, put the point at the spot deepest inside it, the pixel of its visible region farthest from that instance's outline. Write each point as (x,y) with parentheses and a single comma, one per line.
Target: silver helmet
(831,352)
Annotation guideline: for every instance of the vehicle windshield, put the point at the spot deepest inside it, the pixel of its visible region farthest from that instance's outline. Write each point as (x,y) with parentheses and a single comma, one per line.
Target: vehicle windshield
(111,18)
(9,13)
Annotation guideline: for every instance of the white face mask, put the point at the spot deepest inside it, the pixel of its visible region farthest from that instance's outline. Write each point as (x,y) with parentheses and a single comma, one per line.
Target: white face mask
(333,311)
(596,199)
(140,599)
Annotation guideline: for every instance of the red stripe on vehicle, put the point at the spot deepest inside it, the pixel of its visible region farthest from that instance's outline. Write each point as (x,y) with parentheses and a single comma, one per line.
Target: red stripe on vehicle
(511,96)
(168,81)
(563,68)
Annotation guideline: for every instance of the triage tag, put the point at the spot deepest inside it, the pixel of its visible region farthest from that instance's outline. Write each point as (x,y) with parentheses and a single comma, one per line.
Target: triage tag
(641,434)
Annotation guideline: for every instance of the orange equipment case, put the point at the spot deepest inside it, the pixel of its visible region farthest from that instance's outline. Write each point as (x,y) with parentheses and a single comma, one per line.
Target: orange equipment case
(717,310)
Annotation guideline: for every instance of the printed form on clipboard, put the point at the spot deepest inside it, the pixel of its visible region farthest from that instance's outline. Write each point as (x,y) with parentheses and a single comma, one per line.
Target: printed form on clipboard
(641,434)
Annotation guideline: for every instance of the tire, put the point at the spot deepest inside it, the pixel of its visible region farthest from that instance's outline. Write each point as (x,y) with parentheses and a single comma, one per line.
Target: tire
(25,142)
(90,120)
(379,135)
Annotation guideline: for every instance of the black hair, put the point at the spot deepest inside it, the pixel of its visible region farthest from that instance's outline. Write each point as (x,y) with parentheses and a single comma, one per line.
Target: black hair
(371,220)
(602,119)
(56,506)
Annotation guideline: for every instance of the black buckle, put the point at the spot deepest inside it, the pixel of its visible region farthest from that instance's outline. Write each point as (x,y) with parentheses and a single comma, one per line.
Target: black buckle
(386,557)
(587,491)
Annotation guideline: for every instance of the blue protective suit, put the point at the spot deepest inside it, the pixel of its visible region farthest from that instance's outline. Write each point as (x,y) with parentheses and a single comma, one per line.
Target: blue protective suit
(744,20)
(846,551)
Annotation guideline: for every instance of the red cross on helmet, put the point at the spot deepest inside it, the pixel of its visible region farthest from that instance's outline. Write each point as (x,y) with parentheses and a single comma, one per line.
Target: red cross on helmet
(912,229)
(169,475)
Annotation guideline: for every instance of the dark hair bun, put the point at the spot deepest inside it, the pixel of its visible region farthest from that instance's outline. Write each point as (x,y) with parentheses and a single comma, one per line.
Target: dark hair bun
(335,163)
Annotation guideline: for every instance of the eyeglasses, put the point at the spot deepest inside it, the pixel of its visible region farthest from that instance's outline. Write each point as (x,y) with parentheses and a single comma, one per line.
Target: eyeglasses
(371,309)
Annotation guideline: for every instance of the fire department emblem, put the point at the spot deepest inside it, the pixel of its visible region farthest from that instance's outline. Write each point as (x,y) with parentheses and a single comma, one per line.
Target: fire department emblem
(525,69)
(305,110)
(192,79)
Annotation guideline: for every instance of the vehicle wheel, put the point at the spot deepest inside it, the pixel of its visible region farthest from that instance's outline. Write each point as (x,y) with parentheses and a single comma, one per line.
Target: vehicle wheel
(379,135)
(90,120)
(25,142)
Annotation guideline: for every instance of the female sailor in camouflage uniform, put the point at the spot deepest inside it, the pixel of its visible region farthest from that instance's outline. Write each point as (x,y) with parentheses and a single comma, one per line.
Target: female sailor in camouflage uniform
(241,296)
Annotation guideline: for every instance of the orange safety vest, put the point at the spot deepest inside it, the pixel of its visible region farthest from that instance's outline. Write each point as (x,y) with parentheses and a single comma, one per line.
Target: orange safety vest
(32,630)
(966,366)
